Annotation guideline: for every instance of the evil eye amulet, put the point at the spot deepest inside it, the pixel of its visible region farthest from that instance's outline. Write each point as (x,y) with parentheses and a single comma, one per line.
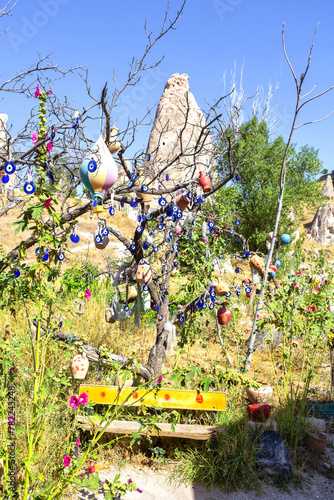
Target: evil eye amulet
(211,306)
(17,273)
(5,179)
(145,288)
(126,308)
(211,224)
(98,238)
(75,238)
(29,187)
(105,232)
(179,214)
(132,247)
(160,227)
(111,211)
(144,188)
(162,202)
(10,167)
(228,294)
(160,317)
(155,249)
(92,166)
(139,229)
(61,256)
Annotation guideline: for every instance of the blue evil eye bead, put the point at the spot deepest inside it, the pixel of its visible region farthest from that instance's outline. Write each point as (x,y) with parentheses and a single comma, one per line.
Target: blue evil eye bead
(211,306)
(160,227)
(162,202)
(139,229)
(195,200)
(111,211)
(10,167)
(5,179)
(156,308)
(160,317)
(201,199)
(211,224)
(180,319)
(145,246)
(204,306)
(61,256)
(228,294)
(232,235)
(247,254)
(278,263)
(175,209)
(167,177)
(75,238)
(189,194)
(17,273)
(92,166)
(144,188)
(213,299)
(237,222)
(212,231)
(212,294)
(159,187)
(143,217)
(171,234)
(139,218)
(122,204)
(98,238)
(244,255)
(237,271)
(45,256)
(155,249)
(179,214)
(37,250)
(126,308)
(167,240)
(28,188)
(239,240)
(105,232)
(145,288)
(148,157)
(161,219)
(176,263)
(133,203)
(132,176)
(132,247)
(175,247)
(207,232)
(237,178)
(169,212)
(174,218)
(60,324)
(248,289)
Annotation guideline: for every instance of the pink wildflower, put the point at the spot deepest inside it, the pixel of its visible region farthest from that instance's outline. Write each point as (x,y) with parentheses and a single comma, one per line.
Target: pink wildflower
(49,146)
(49,91)
(34,138)
(326,281)
(139,490)
(83,398)
(311,308)
(48,203)
(74,402)
(77,444)
(67,460)
(38,92)
(204,240)
(129,481)
(159,380)
(299,272)
(88,294)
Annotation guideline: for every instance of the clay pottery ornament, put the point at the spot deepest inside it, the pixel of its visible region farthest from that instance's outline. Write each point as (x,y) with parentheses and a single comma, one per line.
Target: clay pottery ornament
(132,292)
(222,288)
(114,143)
(143,273)
(109,317)
(285,239)
(79,366)
(204,182)
(182,201)
(258,413)
(256,263)
(262,395)
(224,315)
(316,441)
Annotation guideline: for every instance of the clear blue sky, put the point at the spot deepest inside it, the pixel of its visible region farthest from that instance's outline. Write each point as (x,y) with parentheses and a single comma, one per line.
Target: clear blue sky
(210,38)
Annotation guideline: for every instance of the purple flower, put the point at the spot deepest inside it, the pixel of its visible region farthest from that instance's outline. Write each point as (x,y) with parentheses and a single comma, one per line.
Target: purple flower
(74,402)
(38,92)
(77,444)
(169,383)
(159,380)
(67,460)
(129,481)
(83,398)
(11,420)
(139,490)
(34,138)
(49,147)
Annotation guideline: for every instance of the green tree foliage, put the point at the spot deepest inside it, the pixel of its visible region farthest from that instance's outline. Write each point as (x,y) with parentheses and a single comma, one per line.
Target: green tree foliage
(258,159)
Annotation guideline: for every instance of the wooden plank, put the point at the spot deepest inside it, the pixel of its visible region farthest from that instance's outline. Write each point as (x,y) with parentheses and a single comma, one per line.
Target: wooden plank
(165,398)
(197,432)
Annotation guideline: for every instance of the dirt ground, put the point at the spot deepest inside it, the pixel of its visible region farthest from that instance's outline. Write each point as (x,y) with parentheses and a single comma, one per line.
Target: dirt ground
(155,485)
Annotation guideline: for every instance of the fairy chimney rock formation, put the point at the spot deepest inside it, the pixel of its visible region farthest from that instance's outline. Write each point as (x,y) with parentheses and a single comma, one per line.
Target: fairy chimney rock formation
(179,129)
(322,227)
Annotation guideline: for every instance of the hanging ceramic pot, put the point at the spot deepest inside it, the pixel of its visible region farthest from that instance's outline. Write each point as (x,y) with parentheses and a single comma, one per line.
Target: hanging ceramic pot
(132,293)
(100,241)
(224,315)
(222,288)
(256,263)
(262,395)
(285,239)
(143,273)
(272,271)
(79,366)
(205,182)
(109,316)
(114,143)
(182,201)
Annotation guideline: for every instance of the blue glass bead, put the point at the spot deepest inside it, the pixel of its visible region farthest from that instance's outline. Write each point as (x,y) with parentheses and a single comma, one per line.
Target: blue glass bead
(111,211)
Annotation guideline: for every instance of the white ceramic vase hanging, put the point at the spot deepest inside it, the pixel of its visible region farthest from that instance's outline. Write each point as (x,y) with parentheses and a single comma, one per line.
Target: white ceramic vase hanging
(79,366)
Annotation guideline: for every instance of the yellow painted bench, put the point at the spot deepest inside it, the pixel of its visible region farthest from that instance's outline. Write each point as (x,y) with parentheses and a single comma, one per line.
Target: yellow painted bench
(159,398)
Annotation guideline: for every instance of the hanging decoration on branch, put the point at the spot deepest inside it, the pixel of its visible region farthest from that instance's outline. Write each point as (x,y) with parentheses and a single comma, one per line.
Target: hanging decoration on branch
(98,173)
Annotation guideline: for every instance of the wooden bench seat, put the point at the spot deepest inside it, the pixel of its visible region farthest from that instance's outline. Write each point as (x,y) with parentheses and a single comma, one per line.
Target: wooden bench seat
(159,399)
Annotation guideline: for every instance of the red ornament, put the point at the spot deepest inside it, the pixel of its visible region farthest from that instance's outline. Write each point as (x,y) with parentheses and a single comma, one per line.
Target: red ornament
(224,315)
(91,468)
(199,399)
(204,181)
